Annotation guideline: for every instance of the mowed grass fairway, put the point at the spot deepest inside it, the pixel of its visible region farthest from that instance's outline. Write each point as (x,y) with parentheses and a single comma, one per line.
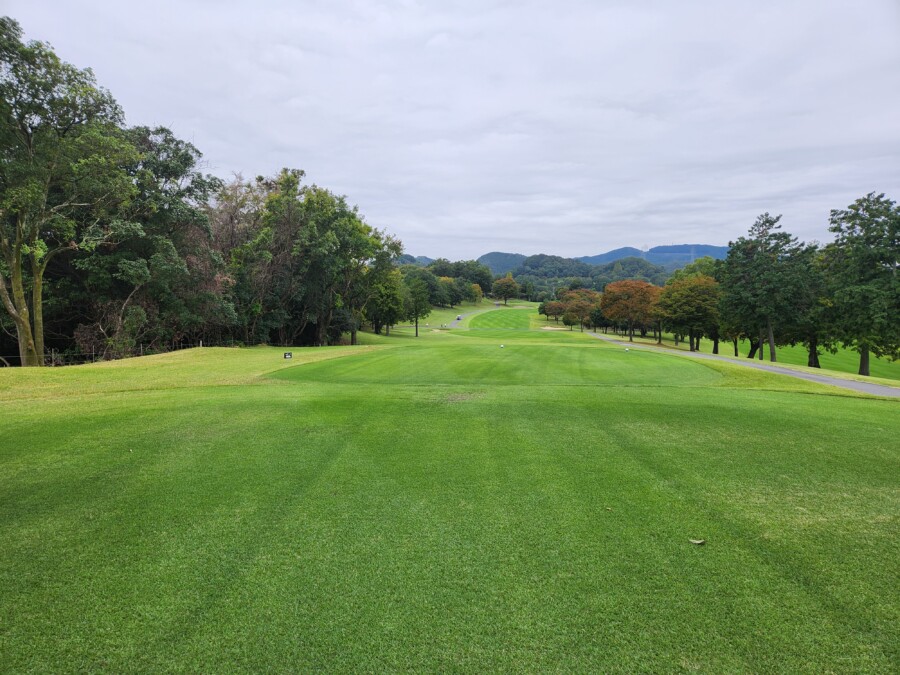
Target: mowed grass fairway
(444,504)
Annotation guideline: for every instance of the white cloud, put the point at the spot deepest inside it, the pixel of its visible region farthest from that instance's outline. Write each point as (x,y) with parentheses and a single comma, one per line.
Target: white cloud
(567,128)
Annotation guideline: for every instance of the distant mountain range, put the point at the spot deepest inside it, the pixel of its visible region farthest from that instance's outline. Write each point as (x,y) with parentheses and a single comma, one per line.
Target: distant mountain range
(501,263)
(679,254)
(671,257)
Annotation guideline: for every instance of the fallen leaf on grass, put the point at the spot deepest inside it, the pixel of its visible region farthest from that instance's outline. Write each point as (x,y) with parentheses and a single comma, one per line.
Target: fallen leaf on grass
(698,542)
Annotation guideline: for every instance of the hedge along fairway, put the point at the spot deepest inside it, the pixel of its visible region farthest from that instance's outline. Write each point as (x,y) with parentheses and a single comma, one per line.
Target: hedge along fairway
(445,504)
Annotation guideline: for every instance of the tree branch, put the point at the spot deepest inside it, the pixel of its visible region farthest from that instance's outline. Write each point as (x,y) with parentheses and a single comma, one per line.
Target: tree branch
(7,301)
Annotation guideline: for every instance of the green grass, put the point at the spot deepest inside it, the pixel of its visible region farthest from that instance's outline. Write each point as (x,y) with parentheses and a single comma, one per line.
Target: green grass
(440,318)
(843,361)
(442,504)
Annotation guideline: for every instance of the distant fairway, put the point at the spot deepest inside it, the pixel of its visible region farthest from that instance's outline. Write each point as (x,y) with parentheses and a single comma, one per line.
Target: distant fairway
(444,504)
(514,319)
(516,364)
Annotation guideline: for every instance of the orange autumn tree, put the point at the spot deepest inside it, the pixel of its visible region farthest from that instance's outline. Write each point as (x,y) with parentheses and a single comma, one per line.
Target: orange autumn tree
(579,303)
(630,302)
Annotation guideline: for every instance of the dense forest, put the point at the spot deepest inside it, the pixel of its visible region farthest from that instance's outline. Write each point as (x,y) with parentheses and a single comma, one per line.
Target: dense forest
(114,242)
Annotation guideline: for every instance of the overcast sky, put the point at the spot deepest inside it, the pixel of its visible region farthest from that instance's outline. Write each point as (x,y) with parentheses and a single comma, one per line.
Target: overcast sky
(563,127)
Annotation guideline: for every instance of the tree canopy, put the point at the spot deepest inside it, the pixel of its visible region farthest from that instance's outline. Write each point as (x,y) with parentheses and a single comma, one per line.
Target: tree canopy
(862,267)
(630,302)
(505,288)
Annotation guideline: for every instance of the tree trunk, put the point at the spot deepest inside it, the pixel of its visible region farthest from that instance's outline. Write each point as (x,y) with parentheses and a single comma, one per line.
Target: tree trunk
(324,322)
(762,340)
(417,326)
(753,347)
(659,334)
(630,332)
(28,355)
(353,336)
(813,361)
(37,311)
(17,307)
(735,340)
(864,360)
(691,339)
(771,340)
(716,344)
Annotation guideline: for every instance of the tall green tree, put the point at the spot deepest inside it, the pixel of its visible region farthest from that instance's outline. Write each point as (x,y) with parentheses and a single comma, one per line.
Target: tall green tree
(332,253)
(416,300)
(437,293)
(386,304)
(863,272)
(756,282)
(810,321)
(707,266)
(256,260)
(690,306)
(306,265)
(451,291)
(162,267)
(62,174)
(369,273)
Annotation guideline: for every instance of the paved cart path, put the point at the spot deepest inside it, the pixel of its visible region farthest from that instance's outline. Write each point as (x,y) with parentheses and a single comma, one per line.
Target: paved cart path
(865,387)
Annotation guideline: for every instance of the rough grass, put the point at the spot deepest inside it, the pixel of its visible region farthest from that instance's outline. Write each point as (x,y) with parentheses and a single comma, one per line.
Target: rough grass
(443,504)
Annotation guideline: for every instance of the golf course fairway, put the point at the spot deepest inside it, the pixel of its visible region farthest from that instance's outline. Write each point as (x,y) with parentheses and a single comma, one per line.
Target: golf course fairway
(445,503)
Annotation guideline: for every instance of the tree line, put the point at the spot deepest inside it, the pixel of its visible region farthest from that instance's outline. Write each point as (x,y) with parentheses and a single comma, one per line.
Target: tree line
(771,290)
(113,241)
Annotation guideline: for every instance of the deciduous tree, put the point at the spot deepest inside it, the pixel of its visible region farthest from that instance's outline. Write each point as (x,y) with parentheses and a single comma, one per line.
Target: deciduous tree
(505,288)
(62,173)
(690,305)
(554,309)
(629,302)
(416,300)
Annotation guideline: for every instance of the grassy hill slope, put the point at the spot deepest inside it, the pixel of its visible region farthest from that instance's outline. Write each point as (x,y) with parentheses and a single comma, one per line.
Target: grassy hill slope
(444,503)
